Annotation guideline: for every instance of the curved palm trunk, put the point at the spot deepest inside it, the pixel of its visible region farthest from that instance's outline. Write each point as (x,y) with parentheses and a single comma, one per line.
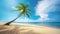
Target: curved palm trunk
(15,18)
(8,23)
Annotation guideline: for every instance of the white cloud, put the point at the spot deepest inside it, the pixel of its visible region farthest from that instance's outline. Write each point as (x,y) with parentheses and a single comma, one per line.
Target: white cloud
(43,8)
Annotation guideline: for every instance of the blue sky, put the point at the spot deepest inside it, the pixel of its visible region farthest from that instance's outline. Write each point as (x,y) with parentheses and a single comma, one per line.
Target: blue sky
(41,10)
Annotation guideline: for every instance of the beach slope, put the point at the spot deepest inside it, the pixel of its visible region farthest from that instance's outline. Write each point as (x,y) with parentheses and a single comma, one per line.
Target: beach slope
(31,29)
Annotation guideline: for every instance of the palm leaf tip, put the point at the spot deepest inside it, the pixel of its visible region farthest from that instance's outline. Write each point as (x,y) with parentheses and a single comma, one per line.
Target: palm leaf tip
(21,3)
(28,15)
(26,5)
(28,10)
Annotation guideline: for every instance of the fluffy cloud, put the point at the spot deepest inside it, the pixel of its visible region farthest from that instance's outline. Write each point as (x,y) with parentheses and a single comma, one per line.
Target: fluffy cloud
(43,8)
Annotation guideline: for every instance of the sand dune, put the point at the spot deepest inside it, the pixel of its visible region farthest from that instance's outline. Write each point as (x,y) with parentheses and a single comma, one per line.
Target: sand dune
(30,29)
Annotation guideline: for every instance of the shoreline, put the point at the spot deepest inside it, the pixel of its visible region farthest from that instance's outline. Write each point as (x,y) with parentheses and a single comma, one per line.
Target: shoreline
(1,23)
(33,29)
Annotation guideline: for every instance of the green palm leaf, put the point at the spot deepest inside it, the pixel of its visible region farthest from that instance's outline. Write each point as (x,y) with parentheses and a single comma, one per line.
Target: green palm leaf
(26,10)
(28,15)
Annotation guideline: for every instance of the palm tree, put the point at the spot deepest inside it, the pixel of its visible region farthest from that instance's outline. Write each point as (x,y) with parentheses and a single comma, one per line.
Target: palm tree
(24,11)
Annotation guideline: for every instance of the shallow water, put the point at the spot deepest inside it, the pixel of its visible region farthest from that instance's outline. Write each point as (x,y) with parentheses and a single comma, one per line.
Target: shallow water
(51,24)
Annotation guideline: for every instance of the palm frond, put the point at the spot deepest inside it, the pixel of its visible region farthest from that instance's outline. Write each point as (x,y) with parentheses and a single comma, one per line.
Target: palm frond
(19,7)
(21,13)
(28,10)
(26,5)
(27,15)
(22,4)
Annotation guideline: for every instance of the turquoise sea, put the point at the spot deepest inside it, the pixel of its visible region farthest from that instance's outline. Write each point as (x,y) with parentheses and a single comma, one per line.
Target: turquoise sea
(51,24)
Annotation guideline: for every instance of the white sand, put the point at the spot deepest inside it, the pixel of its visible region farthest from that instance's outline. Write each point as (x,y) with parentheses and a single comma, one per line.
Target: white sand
(33,29)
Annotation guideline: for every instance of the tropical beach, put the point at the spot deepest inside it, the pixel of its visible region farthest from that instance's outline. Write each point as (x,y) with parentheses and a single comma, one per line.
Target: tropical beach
(28,29)
(29,17)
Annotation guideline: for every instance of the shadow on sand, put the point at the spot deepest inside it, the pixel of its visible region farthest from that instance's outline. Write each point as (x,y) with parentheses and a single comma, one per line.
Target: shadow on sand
(30,32)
